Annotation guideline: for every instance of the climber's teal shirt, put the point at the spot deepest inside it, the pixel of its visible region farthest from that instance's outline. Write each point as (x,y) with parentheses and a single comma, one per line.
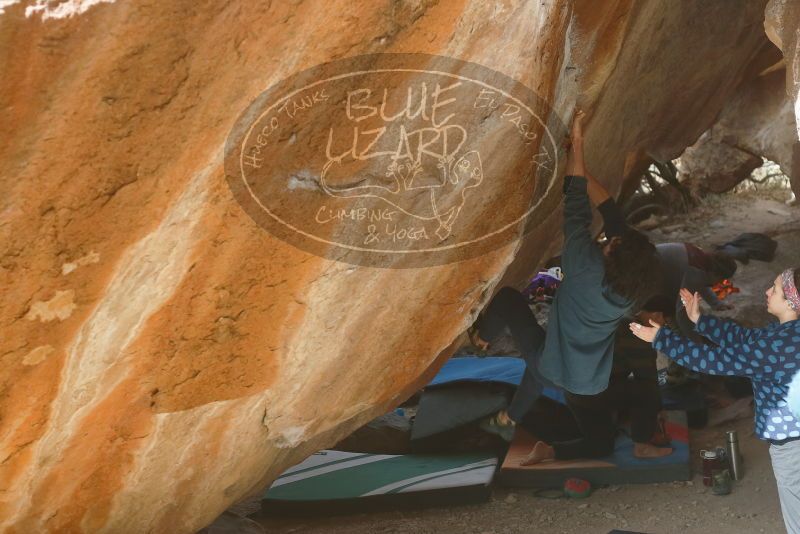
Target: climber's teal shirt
(584,316)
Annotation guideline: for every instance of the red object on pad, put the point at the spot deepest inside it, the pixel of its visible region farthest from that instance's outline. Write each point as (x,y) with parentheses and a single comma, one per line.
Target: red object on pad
(577,488)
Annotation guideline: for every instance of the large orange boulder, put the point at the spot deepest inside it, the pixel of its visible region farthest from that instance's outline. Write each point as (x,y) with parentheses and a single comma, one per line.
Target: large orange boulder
(193,299)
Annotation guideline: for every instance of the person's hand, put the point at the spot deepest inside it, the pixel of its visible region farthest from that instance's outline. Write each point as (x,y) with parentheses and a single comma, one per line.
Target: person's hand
(576,136)
(691,302)
(644,317)
(645,333)
(476,340)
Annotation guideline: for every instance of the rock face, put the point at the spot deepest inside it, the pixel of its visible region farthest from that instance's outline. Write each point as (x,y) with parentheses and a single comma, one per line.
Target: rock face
(649,93)
(781,23)
(758,121)
(163,356)
(715,165)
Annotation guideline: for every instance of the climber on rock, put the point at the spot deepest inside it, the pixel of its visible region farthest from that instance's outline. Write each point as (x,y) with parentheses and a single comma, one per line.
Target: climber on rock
(601,286)
(632,389)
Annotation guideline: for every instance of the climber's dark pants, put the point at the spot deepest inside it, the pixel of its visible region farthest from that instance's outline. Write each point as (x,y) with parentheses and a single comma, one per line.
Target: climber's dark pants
(509,308)
(633,387)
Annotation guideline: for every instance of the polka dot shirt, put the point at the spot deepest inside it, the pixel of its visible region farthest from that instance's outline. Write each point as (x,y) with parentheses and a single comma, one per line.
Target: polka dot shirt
(769,357)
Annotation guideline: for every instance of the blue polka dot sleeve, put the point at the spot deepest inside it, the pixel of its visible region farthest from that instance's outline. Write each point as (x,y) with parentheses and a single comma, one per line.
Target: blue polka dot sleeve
(769,357)
(725,332)
(755,358)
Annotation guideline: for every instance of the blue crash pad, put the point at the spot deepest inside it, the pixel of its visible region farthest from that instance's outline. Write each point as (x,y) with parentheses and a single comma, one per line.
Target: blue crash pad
(502,369)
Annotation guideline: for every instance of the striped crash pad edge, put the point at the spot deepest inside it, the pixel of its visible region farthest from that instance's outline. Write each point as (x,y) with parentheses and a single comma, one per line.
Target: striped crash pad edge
(335,482)
(621,467)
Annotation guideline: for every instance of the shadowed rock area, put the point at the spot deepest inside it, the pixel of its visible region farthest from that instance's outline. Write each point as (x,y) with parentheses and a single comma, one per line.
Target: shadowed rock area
(163,355)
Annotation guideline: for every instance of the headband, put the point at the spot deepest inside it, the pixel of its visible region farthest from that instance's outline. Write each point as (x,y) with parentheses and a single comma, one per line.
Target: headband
(789,289)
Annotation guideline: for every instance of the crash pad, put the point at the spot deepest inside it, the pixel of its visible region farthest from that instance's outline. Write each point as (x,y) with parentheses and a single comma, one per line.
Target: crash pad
(500,369)
(454,405)
(337,482)
(503,369)
(388,434)
(621,467)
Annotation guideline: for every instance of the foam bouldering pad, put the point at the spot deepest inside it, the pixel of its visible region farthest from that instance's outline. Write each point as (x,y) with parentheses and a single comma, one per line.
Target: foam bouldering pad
(445,408)
(503,369)
(387,434)
(621,467)
(498,369)
(336,482)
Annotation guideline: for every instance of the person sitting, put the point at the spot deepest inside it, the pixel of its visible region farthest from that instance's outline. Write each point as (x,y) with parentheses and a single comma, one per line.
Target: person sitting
(687,265)
(632,387)
(768,356)
(600,287)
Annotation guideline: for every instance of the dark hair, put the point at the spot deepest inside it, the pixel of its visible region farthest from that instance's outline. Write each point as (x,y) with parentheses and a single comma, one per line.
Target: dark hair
(796,271)
(722,266)
(633,269)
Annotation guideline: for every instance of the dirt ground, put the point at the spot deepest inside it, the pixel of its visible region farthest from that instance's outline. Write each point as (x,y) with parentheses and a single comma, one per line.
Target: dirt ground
(679,507)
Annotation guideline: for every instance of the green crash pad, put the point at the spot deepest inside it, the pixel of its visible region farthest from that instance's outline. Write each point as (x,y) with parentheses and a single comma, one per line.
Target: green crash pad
(337,482)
